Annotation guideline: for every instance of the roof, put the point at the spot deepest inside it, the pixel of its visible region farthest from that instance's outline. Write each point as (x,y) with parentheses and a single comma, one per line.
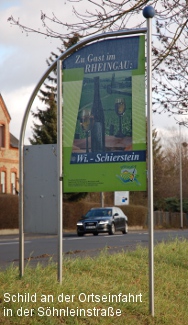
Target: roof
(14,141)
(4,108)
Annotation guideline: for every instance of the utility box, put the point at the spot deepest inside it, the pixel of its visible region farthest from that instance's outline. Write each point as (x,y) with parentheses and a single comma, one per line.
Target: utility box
(40,189)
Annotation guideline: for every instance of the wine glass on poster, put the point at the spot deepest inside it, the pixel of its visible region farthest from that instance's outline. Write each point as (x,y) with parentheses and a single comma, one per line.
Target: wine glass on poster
(86,122)
(120,111)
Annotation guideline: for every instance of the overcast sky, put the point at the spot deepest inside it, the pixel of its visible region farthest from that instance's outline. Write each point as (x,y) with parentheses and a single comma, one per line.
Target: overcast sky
(23,58)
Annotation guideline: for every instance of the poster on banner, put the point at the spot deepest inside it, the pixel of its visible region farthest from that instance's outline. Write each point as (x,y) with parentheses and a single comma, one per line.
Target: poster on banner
(104,124)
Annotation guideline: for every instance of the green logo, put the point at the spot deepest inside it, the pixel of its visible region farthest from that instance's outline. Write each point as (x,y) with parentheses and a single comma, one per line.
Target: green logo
(128,175)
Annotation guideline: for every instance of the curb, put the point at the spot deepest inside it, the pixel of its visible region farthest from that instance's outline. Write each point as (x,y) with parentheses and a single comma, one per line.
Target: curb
(9,232)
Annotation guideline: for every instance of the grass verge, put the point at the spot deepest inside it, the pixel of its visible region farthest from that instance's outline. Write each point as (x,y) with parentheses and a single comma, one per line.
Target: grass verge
(92,288)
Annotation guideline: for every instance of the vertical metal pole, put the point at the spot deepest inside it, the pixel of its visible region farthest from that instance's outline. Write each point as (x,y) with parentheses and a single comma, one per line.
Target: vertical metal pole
(181,194)
(21,213)
(149,13)
(59,169)
(150,168)
(102,199)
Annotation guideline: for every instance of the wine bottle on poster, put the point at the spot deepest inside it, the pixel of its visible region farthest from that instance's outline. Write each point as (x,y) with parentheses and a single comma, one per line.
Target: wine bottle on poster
(98,128)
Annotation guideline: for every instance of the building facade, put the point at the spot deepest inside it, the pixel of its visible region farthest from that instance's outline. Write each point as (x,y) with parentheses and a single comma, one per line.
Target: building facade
(9,154)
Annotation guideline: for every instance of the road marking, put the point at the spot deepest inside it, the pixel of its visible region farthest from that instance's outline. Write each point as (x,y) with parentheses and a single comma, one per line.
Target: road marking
(14,242)
(84,237)
(73,238)
(107,236)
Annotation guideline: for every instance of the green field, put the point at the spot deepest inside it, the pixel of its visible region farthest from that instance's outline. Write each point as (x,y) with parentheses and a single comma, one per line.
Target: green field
(91,284)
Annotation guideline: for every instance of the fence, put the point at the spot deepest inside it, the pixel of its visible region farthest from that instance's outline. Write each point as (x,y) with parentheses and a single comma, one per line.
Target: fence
(169,219)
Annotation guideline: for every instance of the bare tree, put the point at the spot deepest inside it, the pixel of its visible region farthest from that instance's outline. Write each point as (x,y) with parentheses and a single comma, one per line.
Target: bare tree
(173,145)
(170,44)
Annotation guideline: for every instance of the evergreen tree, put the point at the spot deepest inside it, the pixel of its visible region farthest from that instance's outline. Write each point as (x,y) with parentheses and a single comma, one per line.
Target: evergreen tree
(45,132)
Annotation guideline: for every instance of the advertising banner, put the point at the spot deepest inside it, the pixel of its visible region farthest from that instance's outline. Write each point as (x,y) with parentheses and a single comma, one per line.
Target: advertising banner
(104,123)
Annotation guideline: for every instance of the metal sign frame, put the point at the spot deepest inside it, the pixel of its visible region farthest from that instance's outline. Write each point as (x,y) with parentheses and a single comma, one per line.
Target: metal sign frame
(59,146)
(59,126)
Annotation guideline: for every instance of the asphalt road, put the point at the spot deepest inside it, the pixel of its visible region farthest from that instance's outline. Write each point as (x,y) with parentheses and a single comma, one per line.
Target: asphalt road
(39,248)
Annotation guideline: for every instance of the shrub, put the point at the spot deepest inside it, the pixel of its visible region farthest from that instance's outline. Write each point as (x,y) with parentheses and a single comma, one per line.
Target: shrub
(9,211)
(72,211)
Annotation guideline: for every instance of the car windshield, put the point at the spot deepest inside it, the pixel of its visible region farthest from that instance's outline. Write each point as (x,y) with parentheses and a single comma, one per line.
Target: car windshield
(98,213)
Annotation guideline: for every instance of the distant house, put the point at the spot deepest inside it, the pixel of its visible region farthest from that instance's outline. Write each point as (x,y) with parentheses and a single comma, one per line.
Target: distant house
(9,156)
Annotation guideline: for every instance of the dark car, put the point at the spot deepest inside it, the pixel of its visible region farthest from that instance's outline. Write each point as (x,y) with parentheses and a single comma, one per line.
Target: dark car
(97,220)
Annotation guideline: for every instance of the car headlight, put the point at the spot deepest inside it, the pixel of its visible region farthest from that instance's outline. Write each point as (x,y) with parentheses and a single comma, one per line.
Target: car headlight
(103,222)
(79,223)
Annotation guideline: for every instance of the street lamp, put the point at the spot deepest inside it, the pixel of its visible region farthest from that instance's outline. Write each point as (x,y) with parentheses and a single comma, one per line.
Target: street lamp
(184,144)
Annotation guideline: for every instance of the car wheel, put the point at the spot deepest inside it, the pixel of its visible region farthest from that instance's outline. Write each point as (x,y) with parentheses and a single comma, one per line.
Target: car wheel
(80,233)
(112,229)
(125,230)
(95,233)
